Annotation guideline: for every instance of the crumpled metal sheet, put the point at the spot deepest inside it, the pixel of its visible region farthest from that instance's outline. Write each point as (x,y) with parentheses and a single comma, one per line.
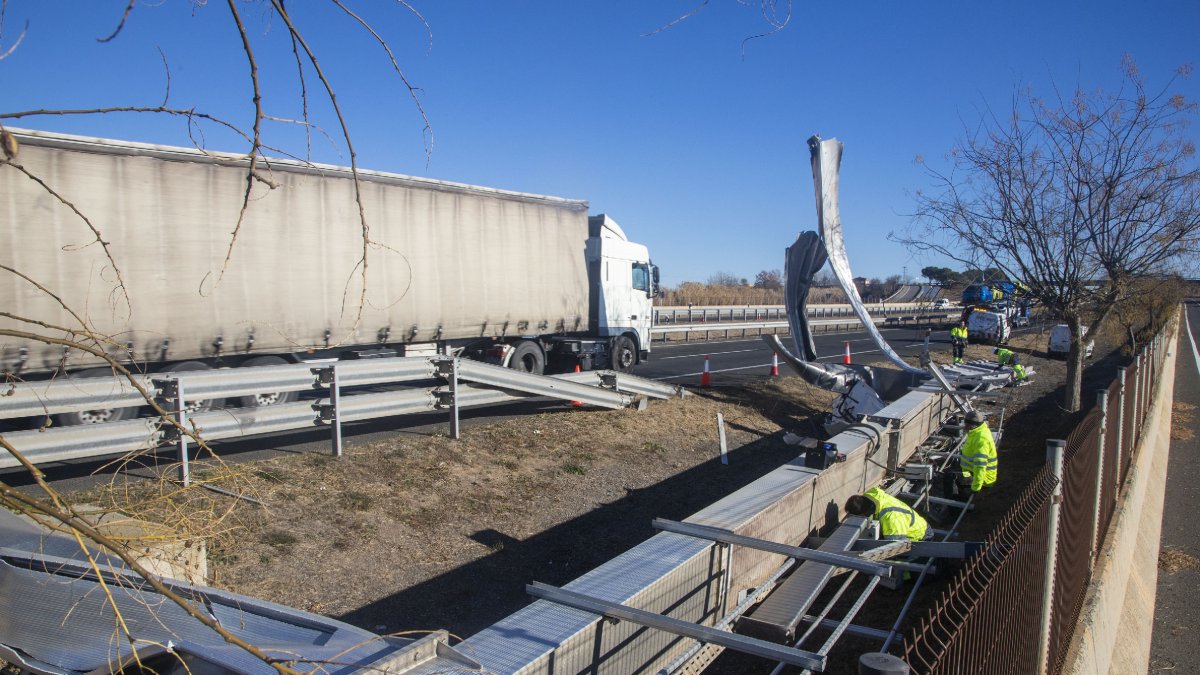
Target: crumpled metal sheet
(56,618)
(803,260)
(826,162)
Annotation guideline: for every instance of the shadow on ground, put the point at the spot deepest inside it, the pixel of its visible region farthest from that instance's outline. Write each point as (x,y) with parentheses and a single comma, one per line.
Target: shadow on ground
(471,597)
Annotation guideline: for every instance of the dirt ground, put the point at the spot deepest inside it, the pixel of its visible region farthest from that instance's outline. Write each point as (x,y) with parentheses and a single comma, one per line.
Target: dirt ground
(422,532)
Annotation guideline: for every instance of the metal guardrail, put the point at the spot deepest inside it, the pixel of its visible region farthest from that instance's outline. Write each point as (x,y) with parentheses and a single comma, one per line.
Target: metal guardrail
(482,384)
(766,313)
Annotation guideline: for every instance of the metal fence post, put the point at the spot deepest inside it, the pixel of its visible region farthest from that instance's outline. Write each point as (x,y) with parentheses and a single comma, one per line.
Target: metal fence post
(1102,404)
(1054,457)
(1121,422)
(1136,421)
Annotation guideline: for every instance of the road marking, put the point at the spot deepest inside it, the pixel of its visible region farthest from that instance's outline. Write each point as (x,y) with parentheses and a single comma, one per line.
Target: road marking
(765,365)
(692,356)
(724,370)
(1188,326)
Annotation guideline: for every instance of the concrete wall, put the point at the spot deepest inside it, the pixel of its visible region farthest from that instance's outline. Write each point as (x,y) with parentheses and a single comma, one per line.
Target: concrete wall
(1115,625)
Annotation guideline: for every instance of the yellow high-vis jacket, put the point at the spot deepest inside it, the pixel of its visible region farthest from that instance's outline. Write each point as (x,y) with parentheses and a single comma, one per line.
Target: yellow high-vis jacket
(896,518)
(979,459)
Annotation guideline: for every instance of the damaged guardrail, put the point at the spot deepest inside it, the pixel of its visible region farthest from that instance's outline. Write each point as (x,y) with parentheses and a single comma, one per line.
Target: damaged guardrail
(465,384)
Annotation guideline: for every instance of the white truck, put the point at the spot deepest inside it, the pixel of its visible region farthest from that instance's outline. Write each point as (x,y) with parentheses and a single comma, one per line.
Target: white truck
(987,327)
(1059,342)
(522,280)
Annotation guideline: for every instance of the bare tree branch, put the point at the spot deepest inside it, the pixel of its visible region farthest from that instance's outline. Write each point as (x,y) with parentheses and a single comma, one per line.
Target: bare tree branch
(121,25)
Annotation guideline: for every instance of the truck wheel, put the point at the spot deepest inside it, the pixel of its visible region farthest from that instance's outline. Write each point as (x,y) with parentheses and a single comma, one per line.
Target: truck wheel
(268,397)
(195,406)
(528,357)
(624,354)
(96,415)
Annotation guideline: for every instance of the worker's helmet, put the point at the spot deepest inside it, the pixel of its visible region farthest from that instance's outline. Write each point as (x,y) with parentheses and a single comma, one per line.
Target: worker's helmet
(974,419)
(996,350)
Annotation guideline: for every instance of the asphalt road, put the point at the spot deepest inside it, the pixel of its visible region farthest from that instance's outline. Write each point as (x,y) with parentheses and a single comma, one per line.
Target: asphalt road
(1173,647)
(750,357)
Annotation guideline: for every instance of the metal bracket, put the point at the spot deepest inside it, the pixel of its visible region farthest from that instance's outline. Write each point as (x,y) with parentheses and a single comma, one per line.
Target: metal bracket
(608,380)
(168,387)
(444,397)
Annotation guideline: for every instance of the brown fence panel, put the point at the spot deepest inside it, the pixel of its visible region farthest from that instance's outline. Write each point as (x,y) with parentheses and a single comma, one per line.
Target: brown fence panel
(988,621)
(1073,560)
(1110,482)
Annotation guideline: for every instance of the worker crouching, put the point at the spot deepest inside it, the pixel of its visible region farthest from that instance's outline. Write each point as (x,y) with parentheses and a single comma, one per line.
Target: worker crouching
(897,520)
(1006,357)
(978,462)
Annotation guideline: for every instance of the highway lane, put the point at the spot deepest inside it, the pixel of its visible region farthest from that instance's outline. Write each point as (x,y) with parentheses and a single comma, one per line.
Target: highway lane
(1173,646)
(737,360)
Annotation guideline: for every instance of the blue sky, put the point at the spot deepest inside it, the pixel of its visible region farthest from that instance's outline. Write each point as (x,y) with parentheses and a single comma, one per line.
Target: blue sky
(691,138)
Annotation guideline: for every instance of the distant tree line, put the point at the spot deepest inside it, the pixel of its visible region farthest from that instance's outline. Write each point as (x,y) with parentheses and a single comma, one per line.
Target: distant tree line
(944,276)
(723,288)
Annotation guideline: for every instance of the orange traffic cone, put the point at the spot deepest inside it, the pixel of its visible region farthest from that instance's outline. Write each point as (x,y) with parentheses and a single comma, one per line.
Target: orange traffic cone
(577,404)
(705,378)
(846,358)
(774,365)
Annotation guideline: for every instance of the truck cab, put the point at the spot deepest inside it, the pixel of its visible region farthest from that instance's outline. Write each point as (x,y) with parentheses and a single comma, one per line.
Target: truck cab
(622,286)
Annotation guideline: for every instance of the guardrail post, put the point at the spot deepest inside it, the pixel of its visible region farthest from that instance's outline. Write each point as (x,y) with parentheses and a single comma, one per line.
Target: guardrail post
(1054,457)
(335,421)
(171,388)
(1121,422)
(1102,404)
(328,377)
(185,475)
(454,428)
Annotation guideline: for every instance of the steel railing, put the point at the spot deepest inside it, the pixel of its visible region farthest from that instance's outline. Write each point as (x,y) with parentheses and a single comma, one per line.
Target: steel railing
(462,383)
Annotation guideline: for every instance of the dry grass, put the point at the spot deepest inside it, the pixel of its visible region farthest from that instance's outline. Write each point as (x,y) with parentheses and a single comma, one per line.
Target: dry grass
(1183,417)
(1171,559)
(338,535)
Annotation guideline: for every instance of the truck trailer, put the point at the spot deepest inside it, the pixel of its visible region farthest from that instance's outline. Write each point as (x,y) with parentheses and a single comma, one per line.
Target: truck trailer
(521,280)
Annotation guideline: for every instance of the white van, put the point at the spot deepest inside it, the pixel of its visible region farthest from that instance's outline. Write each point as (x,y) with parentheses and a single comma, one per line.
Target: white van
(989,327)
(1060,342)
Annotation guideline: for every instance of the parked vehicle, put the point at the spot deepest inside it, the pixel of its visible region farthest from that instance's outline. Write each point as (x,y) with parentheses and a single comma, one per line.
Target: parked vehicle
(1059,343)
(988,327)
(521,280)
(941,303)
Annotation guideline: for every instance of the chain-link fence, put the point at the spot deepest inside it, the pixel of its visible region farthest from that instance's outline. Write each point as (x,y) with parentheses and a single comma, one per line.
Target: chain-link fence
(1014,606)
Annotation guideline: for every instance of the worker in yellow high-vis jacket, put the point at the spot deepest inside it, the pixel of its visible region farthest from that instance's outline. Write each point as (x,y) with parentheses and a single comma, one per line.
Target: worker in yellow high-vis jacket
(978,460)
(1007,357)
(958,336)
(897,520)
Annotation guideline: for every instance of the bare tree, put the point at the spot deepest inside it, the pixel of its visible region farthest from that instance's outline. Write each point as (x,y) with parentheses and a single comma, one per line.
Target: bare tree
(723,279)
(768,279)
(78,333)
(1076,197)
